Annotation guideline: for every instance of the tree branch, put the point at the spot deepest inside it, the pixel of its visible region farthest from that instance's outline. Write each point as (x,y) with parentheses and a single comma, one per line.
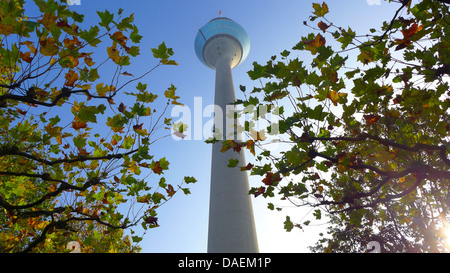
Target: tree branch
(14,150)
(62,187)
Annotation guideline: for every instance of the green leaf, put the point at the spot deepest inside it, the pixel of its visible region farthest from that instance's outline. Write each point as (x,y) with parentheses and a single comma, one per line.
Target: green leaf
(162,182)
(79,142)
(324,53)
(232,163)
(257,72)
(146,97)
(136,239)
(128,142)
(285,53)
(347,37)
(134,36)
(189,179)
(106,18)
(288,225)
(320,10)
(162,52)
(293,157)
(186,191)
(318,214)
(88,113)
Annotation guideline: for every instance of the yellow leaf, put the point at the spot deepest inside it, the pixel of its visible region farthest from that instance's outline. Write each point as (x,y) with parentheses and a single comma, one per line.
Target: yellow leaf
(71,43)
(48,46)
(84,86)
(101,90)
(143,199)
(48,20)
(30,46)
(335,96)
(113,53)
(88,60)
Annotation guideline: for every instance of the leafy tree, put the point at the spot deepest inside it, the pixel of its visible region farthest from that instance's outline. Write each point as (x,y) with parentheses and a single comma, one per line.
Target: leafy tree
(363,129)
(76,131)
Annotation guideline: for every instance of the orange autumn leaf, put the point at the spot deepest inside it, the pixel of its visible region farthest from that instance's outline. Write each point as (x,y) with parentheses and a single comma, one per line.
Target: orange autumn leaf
(270,178)
(157,168)
(313,44)
(248,167)
(250,145)
(335,96)
(260,191)
(79,125)
(323,26)
(371,119)
(26,56)
(408,33)
(120,38)
(72,43)
(71,77)
(170,191)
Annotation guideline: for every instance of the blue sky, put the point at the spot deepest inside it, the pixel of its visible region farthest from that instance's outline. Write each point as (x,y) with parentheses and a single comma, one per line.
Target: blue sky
(272,25)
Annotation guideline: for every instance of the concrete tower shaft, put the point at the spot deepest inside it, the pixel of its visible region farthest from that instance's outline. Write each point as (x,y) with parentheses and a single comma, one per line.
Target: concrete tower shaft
(222,44)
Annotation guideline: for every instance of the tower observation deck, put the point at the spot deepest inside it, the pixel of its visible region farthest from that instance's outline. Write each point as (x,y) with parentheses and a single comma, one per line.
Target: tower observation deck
(222,44)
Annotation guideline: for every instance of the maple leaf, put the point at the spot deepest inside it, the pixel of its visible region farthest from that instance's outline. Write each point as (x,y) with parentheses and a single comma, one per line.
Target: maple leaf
(270,178)
(157,168)
(250,145)
(72,43)
(170,191)
(113,53)
(71,77)
(79,125)
(335,96)
(408,34)
(26,56)
(226,145)
(320,10)
(315,43)
(260,191)
(143,199)
(138,126)
(48,20)
(48,46)
(127,74)
(248,167)
(30,46)
(151,220)
(371,119)
(121,39)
